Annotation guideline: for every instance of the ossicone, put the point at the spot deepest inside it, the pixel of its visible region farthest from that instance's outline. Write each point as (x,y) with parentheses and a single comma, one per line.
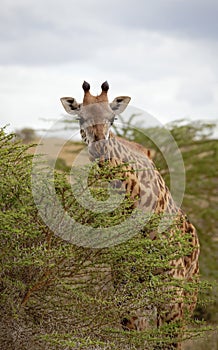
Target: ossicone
(86,86)
(105,86)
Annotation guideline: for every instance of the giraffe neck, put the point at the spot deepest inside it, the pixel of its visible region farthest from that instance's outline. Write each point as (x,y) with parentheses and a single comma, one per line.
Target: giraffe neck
(143,179)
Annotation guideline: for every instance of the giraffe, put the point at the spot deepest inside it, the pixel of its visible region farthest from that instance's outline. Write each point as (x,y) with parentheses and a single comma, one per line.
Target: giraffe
(146,187)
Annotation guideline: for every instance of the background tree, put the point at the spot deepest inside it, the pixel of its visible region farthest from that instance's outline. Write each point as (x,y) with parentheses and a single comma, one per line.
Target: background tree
(26,134)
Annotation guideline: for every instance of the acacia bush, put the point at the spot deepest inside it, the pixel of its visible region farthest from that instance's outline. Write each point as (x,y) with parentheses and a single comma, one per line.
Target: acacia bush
(60,295)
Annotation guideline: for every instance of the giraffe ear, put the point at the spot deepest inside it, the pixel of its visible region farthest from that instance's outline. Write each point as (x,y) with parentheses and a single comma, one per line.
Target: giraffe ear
(70,105)
(119,104)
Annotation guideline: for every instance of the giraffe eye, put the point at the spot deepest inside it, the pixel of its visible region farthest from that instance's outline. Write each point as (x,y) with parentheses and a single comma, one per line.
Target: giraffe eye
(112,120)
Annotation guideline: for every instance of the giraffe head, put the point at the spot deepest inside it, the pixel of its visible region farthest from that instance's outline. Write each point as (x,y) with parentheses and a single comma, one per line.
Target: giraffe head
(96,115)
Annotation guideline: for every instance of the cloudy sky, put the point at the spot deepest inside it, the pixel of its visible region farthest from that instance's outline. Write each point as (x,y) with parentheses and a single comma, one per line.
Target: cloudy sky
(162,53)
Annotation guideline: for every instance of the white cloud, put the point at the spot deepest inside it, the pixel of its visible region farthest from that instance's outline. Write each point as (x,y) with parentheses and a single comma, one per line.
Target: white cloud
(144,50)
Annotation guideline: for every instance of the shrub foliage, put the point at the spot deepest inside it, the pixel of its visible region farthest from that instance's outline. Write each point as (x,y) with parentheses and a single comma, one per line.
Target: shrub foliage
(58,295)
